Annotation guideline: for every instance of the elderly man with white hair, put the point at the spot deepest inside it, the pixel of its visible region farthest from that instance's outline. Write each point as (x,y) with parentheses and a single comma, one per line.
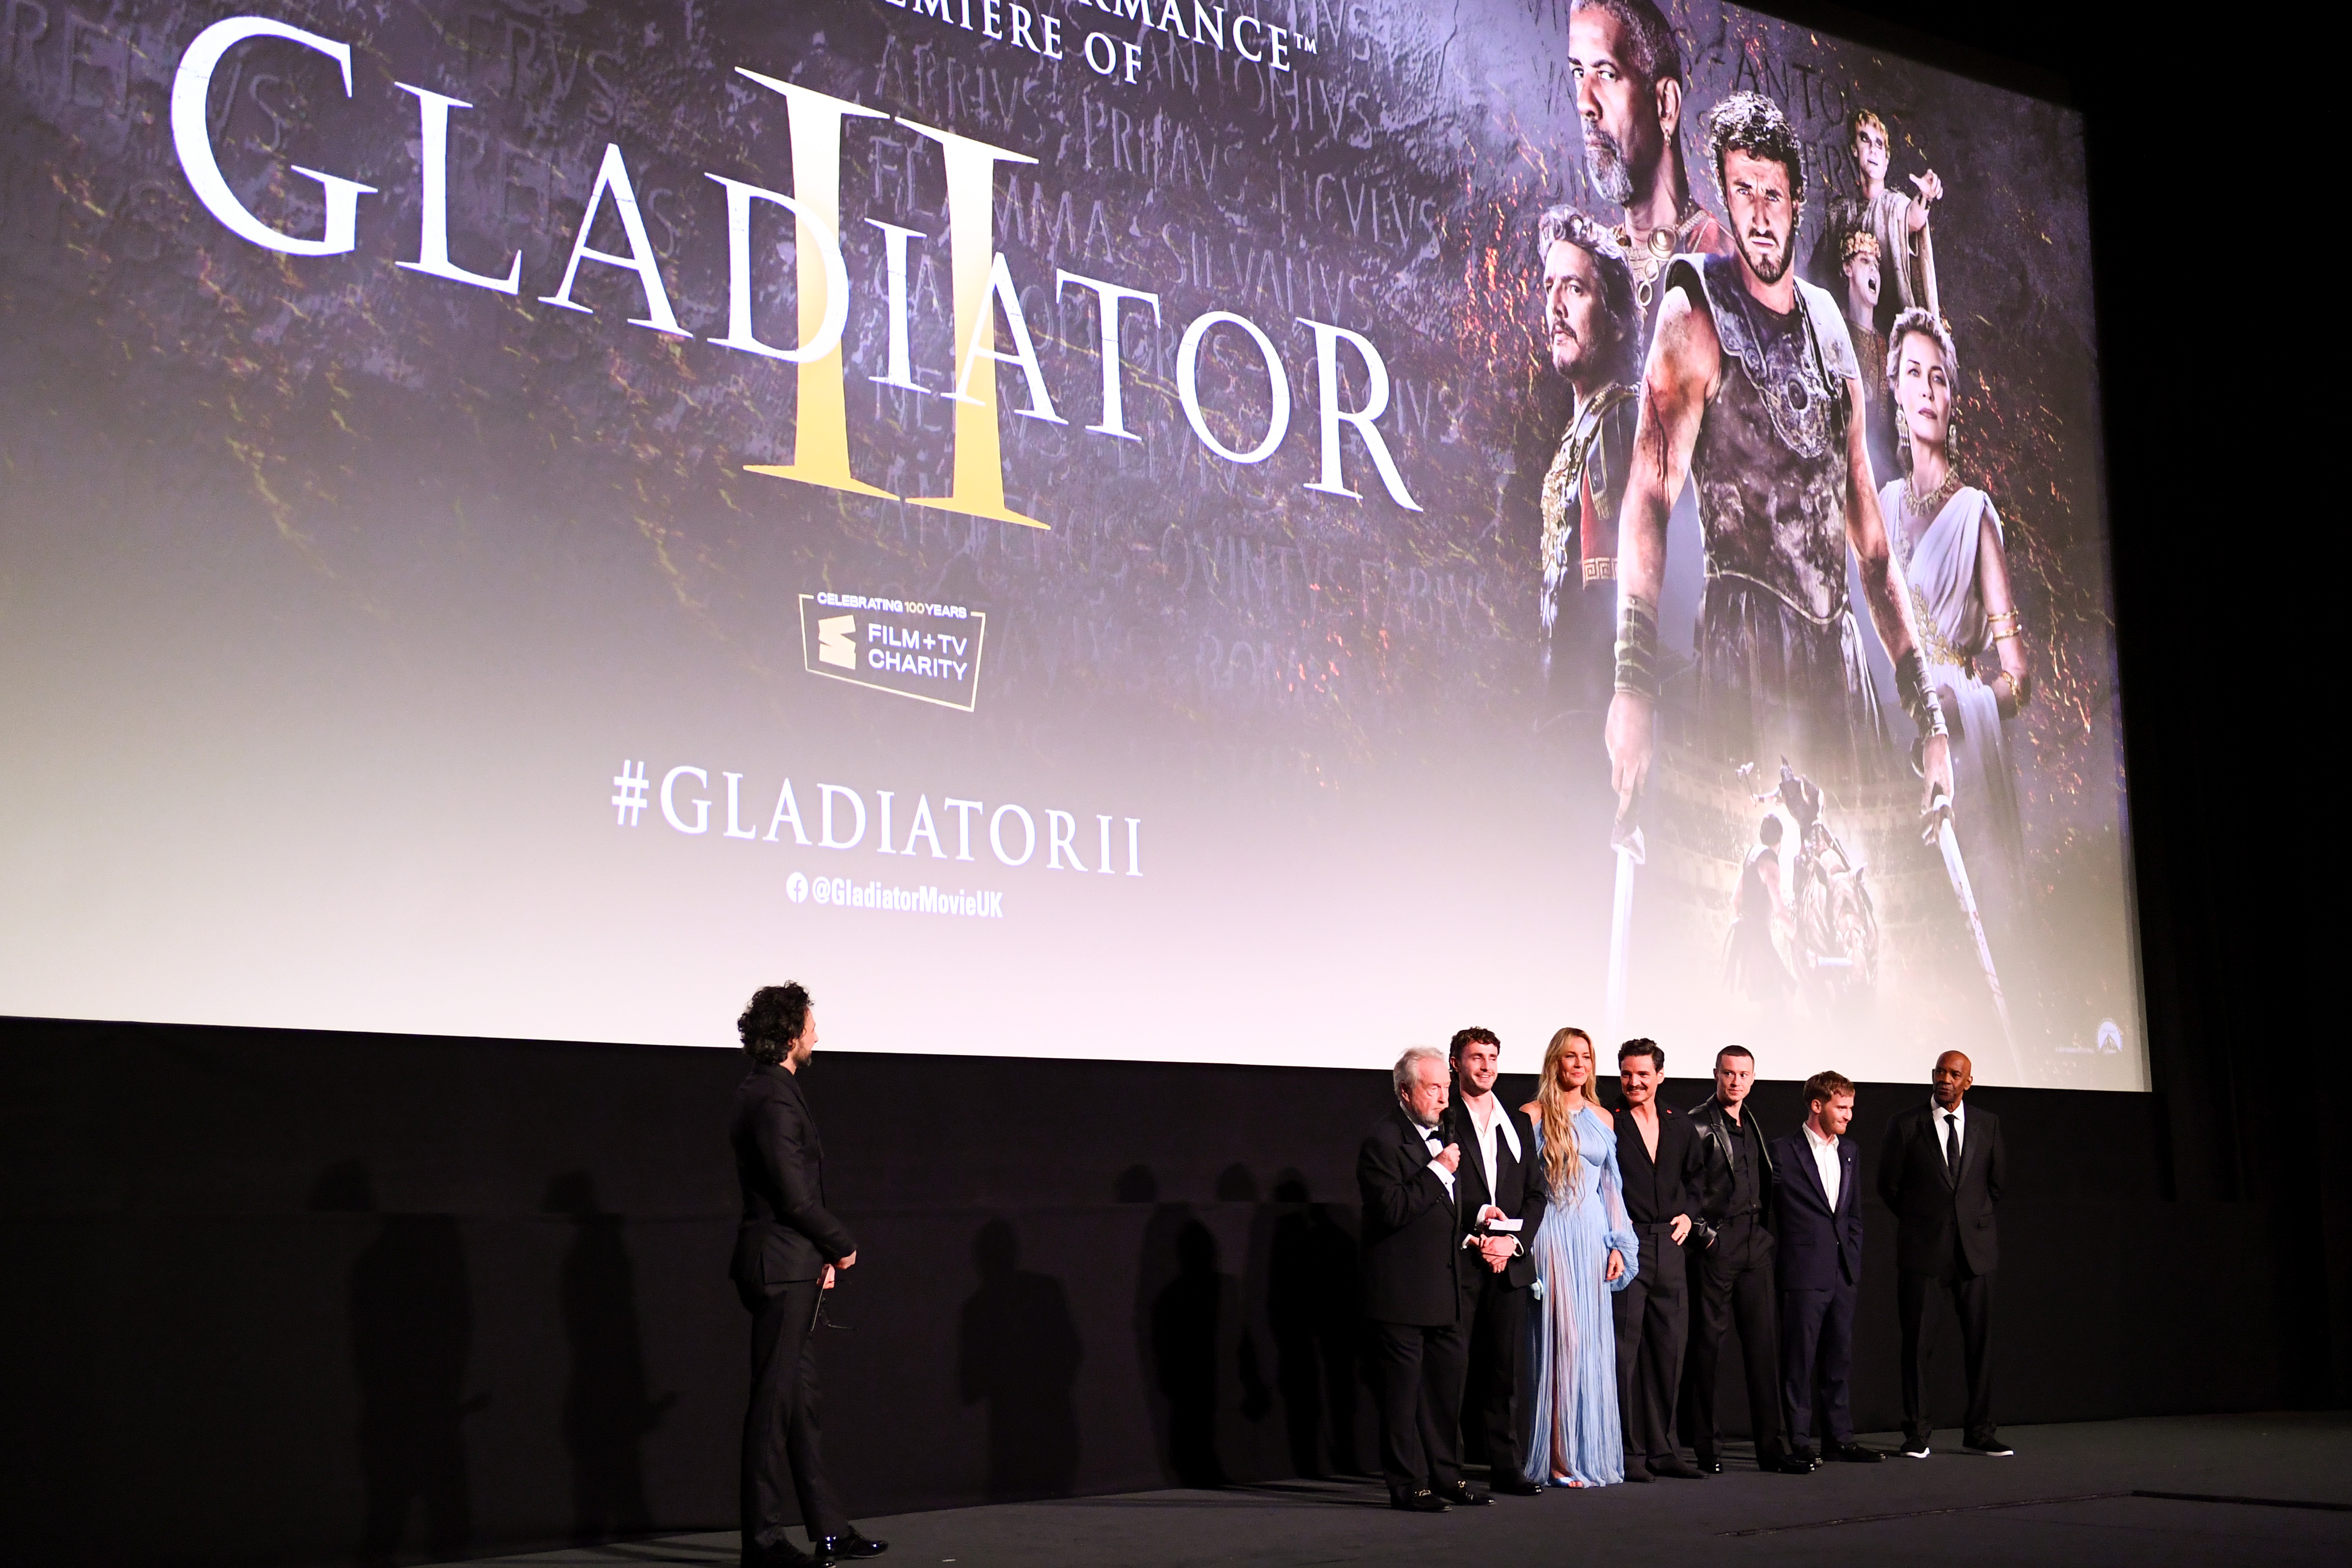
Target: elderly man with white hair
(1413,1252)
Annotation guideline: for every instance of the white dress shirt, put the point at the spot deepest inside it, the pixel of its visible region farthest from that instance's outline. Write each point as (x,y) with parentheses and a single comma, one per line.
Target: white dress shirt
(1495,1121)
(1936,1114)
(1825,1160)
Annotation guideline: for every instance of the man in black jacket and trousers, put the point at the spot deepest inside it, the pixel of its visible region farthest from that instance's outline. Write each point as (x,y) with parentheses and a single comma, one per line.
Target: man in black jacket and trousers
(1820,1193)
(1941,1172)
(1413,1259)
(1658,1153)
(1499,1179)
(788,1249)
(1735,1270)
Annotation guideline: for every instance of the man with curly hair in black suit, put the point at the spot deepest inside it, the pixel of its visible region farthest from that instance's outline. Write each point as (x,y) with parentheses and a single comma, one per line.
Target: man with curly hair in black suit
(788,1250)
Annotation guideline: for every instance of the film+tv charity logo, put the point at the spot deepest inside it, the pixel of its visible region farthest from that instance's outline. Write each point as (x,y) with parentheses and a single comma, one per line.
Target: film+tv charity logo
(903,646)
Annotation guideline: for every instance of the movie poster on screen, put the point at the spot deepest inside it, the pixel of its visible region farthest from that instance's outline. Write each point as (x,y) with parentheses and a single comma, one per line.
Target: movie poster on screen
(1254,532)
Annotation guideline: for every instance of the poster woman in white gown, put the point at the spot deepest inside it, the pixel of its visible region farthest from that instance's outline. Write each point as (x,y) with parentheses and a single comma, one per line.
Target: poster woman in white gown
(1947,537)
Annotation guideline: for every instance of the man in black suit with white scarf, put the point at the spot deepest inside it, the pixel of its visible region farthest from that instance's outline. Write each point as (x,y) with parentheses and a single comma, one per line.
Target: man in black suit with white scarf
(1500,1180)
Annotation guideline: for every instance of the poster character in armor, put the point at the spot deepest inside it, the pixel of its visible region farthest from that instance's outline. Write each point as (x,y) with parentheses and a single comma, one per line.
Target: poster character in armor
(1751,391)
(1897,220)
(1592,331)
(1949,540)
(1629,94)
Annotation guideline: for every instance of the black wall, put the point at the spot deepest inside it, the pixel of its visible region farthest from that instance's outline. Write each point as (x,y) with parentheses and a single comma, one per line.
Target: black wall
(255,1279)
(290,1279)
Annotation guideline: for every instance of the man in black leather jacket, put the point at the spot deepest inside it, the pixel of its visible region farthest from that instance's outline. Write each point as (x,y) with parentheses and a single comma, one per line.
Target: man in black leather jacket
(1735,1270)
(788,1249)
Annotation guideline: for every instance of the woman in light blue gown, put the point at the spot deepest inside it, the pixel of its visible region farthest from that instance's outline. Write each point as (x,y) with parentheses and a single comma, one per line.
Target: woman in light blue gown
(1584,1251)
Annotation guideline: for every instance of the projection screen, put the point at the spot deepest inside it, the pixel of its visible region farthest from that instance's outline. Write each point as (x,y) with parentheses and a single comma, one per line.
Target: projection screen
(1258,532)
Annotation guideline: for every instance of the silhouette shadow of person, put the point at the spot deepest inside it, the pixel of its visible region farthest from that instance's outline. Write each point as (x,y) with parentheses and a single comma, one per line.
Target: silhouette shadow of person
(1311,1307)
(1018,1352)
(1191,1317)
(412,1337)
(606,1411)
(1155,1269)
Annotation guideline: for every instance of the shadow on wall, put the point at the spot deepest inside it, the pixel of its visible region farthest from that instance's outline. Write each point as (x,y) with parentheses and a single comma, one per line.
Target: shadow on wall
(412,1336)
(1018,1352)
(1313,1311)
(607,1414)
(1195,1339)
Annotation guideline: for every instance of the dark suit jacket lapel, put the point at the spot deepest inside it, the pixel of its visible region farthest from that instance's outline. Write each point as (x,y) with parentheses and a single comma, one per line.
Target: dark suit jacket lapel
(1530,1167)
(1455,1127)
(1804,1152)
(1413,1143)
(1632,1151)
(1849,1174)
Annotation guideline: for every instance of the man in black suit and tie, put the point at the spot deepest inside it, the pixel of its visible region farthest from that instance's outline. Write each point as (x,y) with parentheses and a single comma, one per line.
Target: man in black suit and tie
(1497,1180)
(1820,1195)
(788,1249)
(1658,1162)
(1413,1261)
(1941,1172)
(1735,1270)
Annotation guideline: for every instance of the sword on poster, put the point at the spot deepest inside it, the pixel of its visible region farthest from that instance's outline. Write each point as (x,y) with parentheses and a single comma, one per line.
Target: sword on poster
(1625,841)
(1941,834)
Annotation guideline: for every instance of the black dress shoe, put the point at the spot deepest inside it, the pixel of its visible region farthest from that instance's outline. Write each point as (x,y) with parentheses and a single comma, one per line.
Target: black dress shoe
(848,1548)
(1638,1472)
(777,1554)
(1461,1494)
(1672,1467)
(1854,1454)
(1709,1464)
(1801,1462)
(1513,1484)
(1421,1501)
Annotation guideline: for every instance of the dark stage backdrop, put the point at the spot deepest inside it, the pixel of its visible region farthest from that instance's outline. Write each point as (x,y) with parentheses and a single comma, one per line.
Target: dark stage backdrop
(262,1284)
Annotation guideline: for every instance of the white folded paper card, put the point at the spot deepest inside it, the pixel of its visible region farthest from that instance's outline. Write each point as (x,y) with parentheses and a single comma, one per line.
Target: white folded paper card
(1504,1224)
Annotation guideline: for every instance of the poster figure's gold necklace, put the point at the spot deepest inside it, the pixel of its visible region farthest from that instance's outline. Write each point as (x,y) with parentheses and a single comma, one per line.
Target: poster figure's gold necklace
(1929,507)
(1646,259)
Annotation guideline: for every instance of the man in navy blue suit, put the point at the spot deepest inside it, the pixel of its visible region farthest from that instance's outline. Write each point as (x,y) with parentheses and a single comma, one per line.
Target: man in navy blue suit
(1818,1199)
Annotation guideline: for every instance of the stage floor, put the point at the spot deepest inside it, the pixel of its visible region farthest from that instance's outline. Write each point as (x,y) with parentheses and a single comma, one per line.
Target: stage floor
(2272,1490)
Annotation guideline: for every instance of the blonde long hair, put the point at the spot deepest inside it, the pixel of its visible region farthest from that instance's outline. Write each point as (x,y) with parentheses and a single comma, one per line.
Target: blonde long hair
(1555,1118)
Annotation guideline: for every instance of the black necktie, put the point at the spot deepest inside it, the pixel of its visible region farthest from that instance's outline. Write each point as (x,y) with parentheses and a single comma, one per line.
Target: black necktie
(1952,1142)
